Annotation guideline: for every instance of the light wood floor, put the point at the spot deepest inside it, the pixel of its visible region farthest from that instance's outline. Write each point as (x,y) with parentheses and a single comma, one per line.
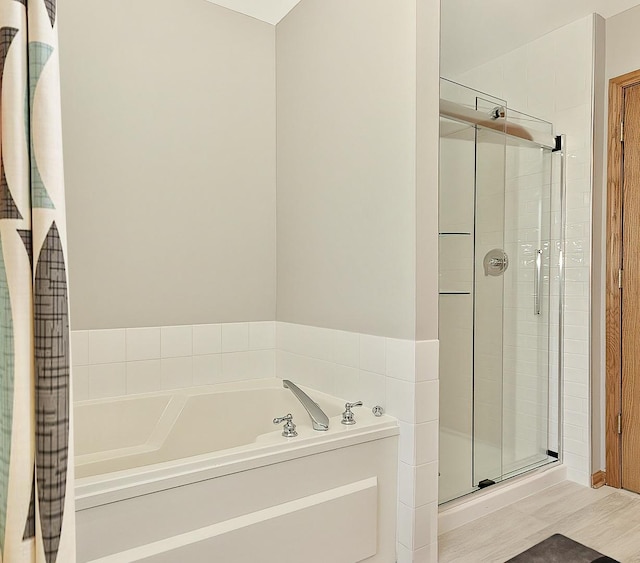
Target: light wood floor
(605,519)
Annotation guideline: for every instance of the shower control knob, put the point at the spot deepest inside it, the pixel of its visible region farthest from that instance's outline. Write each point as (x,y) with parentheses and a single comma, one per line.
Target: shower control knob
(495,262)
(347,415)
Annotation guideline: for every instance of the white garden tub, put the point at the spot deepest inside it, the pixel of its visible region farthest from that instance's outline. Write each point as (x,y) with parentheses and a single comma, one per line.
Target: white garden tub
(203,475)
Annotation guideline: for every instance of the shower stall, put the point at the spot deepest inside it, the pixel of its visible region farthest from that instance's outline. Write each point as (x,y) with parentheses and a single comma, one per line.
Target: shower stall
(500,271)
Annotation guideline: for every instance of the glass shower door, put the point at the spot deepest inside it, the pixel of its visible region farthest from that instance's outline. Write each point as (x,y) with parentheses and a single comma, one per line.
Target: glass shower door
(492,264)
(499,293)
(512,314)
(527,319)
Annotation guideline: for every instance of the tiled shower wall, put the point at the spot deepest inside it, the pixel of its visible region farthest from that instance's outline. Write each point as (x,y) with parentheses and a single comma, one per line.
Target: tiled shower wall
(551,78)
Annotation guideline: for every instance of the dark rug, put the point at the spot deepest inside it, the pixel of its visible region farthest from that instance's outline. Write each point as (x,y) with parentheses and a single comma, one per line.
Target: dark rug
(560,549)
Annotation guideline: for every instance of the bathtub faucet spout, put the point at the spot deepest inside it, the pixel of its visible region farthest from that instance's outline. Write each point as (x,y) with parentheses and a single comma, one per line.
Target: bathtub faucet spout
(319,419)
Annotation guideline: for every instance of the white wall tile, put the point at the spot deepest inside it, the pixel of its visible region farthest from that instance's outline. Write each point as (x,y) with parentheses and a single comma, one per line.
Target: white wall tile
(407,443)
(285,336)
(262,364)
(406,484)
(372,389)
(235,337)
(427,360)
(578,390)
(262,335)
(107,346)
(346,348)
(207,370)
(576,447)
(401,399)
(316,342)
(79,347)
(107,380)
(401,358)
(426,442)
(207,339)
(404,554)
(426,397)
(143,376)
(426,487)
(313,342)
(406,522)
(373,354)
(236,366)
(176,341)
(347,384)
(80,378)
(323,375)
(426,525)
(176,373)
(143,344)
(427,554)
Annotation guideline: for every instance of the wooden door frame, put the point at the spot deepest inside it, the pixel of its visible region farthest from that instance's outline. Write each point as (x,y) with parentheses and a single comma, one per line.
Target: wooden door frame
(613,386)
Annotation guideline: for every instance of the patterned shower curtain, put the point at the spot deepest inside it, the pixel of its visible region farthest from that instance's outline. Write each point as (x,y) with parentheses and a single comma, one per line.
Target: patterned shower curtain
(37,521)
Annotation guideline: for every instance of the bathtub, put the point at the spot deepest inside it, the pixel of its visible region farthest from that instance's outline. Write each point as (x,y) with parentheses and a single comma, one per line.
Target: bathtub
(203,474)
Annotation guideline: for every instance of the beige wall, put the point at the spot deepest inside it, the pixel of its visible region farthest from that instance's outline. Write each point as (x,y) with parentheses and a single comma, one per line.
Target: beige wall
(427,151)
(346,205)
(623,43)
(169,134)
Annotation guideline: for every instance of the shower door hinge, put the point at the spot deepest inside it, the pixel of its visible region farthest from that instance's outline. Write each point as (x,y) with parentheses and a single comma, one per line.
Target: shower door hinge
(620,423)
(620,278)
(622,131)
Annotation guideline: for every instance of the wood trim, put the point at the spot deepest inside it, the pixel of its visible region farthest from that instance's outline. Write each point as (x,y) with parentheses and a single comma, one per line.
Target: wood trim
(613,386)
(598,479)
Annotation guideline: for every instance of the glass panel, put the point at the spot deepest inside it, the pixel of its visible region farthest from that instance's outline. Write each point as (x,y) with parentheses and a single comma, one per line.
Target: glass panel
(526,313)
(500,233)
(462,145)
(457,178)
(492,264)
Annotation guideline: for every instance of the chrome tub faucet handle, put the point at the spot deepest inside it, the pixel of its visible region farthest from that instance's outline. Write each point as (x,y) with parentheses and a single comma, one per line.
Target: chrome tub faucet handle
(289,429)
(347,416)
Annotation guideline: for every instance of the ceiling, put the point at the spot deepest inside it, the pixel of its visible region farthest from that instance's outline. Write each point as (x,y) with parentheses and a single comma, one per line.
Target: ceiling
(270,11)
(477,31)
(473,31)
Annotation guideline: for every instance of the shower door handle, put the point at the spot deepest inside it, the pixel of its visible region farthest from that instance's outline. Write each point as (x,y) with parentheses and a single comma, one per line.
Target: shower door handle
(537,284)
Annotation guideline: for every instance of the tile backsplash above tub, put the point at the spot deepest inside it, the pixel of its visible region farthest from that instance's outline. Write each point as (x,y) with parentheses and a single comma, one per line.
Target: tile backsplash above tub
(117,362)
(390,372)
(400,375)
